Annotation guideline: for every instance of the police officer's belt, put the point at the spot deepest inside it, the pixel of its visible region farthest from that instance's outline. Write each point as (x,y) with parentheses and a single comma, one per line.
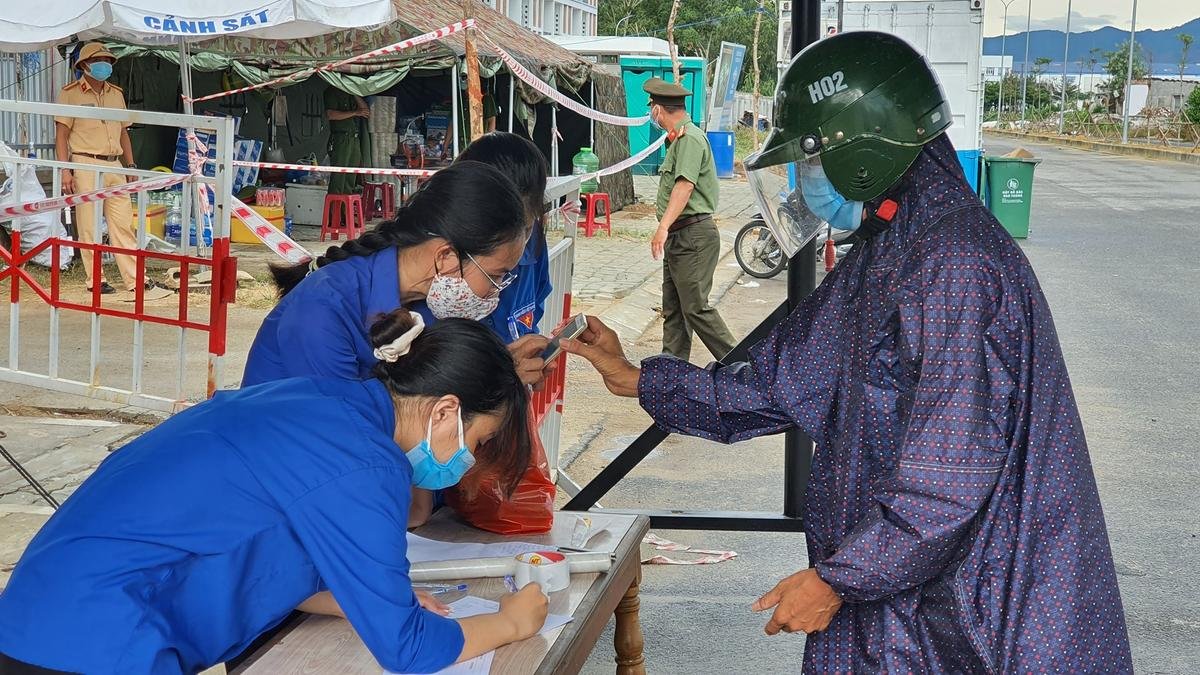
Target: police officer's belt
(107,158)
(688,221)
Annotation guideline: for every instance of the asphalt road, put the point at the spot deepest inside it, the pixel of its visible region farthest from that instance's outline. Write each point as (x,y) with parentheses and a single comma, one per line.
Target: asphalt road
(1116,246)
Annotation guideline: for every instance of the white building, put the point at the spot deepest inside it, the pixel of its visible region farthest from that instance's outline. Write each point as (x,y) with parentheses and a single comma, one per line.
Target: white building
(610,48)
(550,17)
(995,67)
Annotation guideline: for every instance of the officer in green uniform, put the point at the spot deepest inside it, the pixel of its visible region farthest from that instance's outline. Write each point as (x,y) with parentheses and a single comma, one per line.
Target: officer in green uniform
(347,115)
(687,240)
(490,111)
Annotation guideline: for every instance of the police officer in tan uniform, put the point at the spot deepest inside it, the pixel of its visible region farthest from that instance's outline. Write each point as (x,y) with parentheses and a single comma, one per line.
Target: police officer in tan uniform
(103,143)
(687,239)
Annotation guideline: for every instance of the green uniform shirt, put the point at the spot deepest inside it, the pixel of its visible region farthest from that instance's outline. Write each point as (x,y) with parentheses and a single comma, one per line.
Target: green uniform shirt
(336,99)
(689,156)
(464,117)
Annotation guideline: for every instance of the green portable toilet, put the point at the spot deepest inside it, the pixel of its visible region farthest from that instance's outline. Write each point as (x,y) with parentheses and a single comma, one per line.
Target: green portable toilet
(635,70)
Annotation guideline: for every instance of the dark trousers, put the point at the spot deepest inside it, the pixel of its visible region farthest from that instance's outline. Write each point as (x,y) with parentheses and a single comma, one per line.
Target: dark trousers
(689,261)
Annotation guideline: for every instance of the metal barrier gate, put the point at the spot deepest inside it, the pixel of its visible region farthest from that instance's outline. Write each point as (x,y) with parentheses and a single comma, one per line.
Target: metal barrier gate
(222,266)
(548,402)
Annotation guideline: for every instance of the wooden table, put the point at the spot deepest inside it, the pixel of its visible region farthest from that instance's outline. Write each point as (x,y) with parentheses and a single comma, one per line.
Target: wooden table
(318,644)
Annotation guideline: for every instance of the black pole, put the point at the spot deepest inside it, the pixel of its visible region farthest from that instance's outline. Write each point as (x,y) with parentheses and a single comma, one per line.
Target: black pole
(801,280)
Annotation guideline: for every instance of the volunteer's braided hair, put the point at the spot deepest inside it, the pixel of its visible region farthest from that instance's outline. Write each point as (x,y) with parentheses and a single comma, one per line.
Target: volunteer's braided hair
(447,358)
(471,205)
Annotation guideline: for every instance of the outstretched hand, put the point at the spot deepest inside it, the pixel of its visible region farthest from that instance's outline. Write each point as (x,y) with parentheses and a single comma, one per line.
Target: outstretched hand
(601,346)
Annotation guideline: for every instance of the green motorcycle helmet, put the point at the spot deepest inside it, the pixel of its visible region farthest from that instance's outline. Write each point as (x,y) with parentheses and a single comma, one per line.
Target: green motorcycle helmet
(865,103)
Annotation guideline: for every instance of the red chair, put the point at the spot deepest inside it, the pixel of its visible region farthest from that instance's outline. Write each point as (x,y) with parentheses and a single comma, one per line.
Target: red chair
(589,224)
(343,214)
(380,200)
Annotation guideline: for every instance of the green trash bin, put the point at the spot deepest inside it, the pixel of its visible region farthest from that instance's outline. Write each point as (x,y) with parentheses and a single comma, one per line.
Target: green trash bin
(1010,192)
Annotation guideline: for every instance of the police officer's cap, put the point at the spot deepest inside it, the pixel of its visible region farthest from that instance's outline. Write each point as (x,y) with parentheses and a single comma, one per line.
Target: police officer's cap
(93,50)
(665,93)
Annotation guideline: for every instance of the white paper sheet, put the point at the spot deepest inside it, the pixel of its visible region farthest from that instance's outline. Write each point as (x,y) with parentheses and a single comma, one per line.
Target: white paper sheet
(421,549)
(473,606)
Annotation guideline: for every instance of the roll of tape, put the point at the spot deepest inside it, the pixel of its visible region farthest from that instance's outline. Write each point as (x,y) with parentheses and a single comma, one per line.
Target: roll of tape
(548,568)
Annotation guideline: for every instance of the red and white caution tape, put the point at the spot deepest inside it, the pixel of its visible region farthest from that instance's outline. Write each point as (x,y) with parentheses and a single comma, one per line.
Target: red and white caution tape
(626,163)
(708,557)
(67,201)
(270,235)
(337,169)
(542,87)
(390,49)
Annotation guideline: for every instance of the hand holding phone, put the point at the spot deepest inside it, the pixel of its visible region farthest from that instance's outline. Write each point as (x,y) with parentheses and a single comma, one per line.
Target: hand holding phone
(571,330)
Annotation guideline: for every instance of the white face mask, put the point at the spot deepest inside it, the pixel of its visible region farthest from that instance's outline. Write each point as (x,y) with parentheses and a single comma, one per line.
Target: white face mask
(452,297)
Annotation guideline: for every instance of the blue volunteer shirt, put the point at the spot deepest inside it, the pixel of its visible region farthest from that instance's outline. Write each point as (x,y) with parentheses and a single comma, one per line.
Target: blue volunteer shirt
(194,539)
(321,328)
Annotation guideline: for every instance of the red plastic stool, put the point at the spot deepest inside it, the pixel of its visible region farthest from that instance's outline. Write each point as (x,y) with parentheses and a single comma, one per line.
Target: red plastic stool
(589,224)
(343,213)
(385,193)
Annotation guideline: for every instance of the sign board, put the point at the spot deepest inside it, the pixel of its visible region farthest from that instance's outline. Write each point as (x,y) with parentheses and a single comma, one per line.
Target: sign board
(725,81)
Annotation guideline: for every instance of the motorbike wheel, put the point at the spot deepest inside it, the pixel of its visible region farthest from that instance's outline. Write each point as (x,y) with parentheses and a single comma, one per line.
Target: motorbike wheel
(757,251)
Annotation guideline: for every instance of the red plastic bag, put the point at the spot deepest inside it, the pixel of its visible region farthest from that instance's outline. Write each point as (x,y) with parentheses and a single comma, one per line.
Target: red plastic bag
(530,509)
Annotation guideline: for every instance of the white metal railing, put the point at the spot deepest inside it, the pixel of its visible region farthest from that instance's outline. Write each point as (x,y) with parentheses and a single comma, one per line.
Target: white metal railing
(220,263)
(549,402)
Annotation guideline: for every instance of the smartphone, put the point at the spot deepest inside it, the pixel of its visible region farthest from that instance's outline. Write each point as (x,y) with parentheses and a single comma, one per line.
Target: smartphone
(570,331)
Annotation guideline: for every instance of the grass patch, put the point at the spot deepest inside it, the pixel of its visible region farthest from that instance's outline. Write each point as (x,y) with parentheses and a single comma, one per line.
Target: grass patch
(743,142)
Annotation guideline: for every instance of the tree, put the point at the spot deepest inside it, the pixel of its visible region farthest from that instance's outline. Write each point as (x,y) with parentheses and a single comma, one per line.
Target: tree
(1117,66)
(1186,39)
(1193,107)
(700,27)
(1039,67)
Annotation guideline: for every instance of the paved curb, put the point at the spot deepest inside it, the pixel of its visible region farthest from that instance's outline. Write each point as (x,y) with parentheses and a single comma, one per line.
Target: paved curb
(632,315)
(1145,151)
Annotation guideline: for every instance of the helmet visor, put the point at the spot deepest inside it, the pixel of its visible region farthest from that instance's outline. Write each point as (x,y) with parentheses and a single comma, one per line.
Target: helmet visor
(781,202)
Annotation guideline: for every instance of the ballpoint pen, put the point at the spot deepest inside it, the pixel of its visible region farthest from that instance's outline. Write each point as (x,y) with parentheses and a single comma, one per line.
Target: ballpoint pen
(439,589)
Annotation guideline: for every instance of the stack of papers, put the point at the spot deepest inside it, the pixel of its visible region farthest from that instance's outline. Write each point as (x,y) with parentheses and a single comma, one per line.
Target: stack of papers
(473,606)
(422,550)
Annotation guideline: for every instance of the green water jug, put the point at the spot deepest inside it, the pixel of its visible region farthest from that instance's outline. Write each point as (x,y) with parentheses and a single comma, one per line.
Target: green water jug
(584,162)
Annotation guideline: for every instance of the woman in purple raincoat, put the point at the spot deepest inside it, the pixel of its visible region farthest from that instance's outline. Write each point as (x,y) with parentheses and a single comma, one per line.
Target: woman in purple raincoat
(953,521)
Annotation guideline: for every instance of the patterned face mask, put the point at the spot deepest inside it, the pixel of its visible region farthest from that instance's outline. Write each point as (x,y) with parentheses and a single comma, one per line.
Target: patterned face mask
(452,297)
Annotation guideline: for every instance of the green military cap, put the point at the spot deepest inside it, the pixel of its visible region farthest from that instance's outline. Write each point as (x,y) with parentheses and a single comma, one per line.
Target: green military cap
(665,93)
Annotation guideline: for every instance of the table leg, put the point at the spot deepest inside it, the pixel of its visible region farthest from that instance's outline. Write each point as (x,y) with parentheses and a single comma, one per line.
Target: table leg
(628,636)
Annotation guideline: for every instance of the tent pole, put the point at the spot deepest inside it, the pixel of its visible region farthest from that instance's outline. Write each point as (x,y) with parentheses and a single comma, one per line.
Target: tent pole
(185,84)
(454,107)
(512,88)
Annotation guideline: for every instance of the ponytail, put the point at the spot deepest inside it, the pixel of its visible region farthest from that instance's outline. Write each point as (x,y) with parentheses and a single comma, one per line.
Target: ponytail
(473,206)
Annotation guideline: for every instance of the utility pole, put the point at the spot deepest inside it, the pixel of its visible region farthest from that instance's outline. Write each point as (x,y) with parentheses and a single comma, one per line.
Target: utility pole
(1025,63)
(754,105)
(1129,73)
(1003,39)
(1062,113)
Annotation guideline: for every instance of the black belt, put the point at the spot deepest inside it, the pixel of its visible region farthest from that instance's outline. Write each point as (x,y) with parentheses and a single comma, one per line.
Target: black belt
(688,221)
(107,158)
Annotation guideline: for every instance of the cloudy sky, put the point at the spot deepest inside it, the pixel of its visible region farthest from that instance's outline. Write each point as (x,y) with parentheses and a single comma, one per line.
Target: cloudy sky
(1088,14)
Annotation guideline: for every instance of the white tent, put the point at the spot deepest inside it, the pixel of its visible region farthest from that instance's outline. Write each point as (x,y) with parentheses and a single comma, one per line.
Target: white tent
(27,26)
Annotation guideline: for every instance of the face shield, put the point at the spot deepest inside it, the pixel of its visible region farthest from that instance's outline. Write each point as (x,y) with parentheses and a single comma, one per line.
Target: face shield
(782,205)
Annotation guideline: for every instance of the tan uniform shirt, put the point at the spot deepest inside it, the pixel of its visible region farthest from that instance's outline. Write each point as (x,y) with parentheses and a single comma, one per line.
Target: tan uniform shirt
(94,137)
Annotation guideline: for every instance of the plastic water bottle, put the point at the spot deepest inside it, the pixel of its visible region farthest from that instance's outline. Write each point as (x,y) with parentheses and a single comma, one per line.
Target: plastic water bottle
(173,228)
(584,162)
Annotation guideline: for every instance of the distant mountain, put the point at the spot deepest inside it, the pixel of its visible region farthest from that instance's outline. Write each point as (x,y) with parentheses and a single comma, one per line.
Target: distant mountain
(1162,45)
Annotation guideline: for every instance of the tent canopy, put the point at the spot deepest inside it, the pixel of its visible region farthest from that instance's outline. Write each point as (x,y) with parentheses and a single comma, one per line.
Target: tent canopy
(28,26)
(256,60)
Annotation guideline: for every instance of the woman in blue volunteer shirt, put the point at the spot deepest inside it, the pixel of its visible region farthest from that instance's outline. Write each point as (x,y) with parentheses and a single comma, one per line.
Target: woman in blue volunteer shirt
(522,303)
(453,247)
(193,540)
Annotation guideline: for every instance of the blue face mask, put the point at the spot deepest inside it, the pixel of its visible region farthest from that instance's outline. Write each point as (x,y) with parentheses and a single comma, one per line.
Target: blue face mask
(100,70)
(654,122)
(428,472)
(825,201)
